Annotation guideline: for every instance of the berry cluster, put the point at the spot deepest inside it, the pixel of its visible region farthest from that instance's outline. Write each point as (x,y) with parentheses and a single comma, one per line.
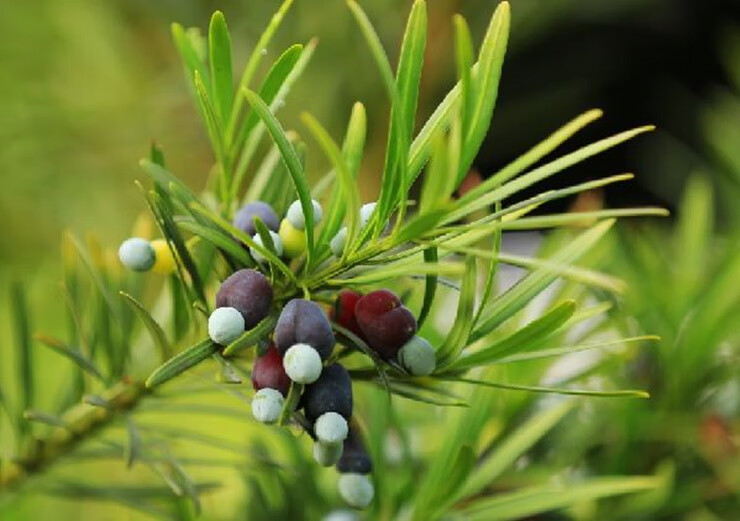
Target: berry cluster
(295,372)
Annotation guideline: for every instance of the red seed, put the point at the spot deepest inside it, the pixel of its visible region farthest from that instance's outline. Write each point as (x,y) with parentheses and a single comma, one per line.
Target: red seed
(344,311)
(268,372)
(386,325)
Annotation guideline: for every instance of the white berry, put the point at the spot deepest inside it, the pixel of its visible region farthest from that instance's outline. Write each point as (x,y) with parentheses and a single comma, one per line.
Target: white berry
(302,364)
(338,243)
(417,357)
(331,427)
(341,515)
(276,241)
(327,454)
(356,489)
(267,405)
(136,254)
(225,325)
(366,211)
(296,217)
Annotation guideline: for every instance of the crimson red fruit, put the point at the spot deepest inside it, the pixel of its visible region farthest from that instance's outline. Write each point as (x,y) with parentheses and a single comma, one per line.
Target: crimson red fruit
(249,292)
(332,392)
(244,218)
(385,323)
(344,310)
(304,322)
(268,372)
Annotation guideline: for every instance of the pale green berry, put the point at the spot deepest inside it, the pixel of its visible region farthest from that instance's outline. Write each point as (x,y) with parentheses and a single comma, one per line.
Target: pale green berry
(366,211)
(356,489)
(338,243)
(267,405)
(302,363)
(331,427)
(417,357)
(225,325)
(341,515)
(327,454)
(276,241)
(136,254)
(296,217)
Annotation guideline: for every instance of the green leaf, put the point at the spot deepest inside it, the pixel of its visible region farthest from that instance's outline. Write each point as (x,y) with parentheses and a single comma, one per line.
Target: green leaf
(519,340)
(45,418)
(352,151)
(21,330)
(347,186)
(560,351)
(513,300)
(558,220)
(464,62)
(72,354)
(458,336)
(189,54)
(291,403)
(270,89)
(532,156)
(253,62)
(486,79)
(535,500)
(430,287)
(219,47)
(438,184)
(510,449)
(181,362)
(253,336)
(553,390)
(225,244)
(213,127)
(398,270)
(132,449)
(292,163)
(470,204)
(155,330)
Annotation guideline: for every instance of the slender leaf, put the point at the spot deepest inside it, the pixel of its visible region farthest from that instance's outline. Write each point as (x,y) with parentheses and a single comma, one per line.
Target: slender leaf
(155,330)
(219,48)
(253,336)
(72,354)
(430,287)
(181,362)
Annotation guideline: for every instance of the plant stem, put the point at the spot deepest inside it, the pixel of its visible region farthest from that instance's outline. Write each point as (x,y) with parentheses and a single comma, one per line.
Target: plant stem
(82,421)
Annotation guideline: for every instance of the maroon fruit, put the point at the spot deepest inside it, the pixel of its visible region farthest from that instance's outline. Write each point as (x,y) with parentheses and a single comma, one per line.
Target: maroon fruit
(355,458)
(344,311)
(249,292)
(386,325)
(268,372)
(304,322)
(244,218)
(332,392)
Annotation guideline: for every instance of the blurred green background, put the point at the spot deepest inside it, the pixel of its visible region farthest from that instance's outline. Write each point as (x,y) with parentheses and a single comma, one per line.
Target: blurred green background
(87,85)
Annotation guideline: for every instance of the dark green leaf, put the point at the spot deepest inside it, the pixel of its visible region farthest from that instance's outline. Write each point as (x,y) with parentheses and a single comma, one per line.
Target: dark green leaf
(72,354)
(181,362)
(219,48)
(430,287)
(155,330)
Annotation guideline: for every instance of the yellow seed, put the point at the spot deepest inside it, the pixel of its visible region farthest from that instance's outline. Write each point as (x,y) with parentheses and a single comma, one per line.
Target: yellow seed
(294,241)
(164,262)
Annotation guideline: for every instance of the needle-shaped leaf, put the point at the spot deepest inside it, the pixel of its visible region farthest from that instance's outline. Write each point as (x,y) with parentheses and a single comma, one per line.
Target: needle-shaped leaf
(458,337)
(133,448)
(219,49)
(292,163)
(22,333)
(72,354)
(430,287)
(188,49)
(45,418)
(155,330)
(225,244)
(253,336)
(554,390)
(181,362)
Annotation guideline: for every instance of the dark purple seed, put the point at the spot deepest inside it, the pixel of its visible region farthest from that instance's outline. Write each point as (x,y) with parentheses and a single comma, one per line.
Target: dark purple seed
(244,218)
(385,323)
(355,458)
(332,392)
(249,292)
(304,322)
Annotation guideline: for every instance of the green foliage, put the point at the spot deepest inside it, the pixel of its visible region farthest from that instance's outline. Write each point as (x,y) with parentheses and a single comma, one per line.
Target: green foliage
(438,238)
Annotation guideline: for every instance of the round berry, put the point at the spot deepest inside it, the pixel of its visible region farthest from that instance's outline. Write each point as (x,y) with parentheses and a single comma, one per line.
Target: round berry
(417,357)
(327,454)
(244,218)
(276,242)
(332,392)
(337,244)
(225,325)
(354,455)
(302,364)
(164,261)
(136,254)
(294,241)
(385,323)
(331,428)
(356,489)
(341,515)
(267,405)
(296,217)
(304,322)
(268,372)
(366,211)
(249,292)
(344,311)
